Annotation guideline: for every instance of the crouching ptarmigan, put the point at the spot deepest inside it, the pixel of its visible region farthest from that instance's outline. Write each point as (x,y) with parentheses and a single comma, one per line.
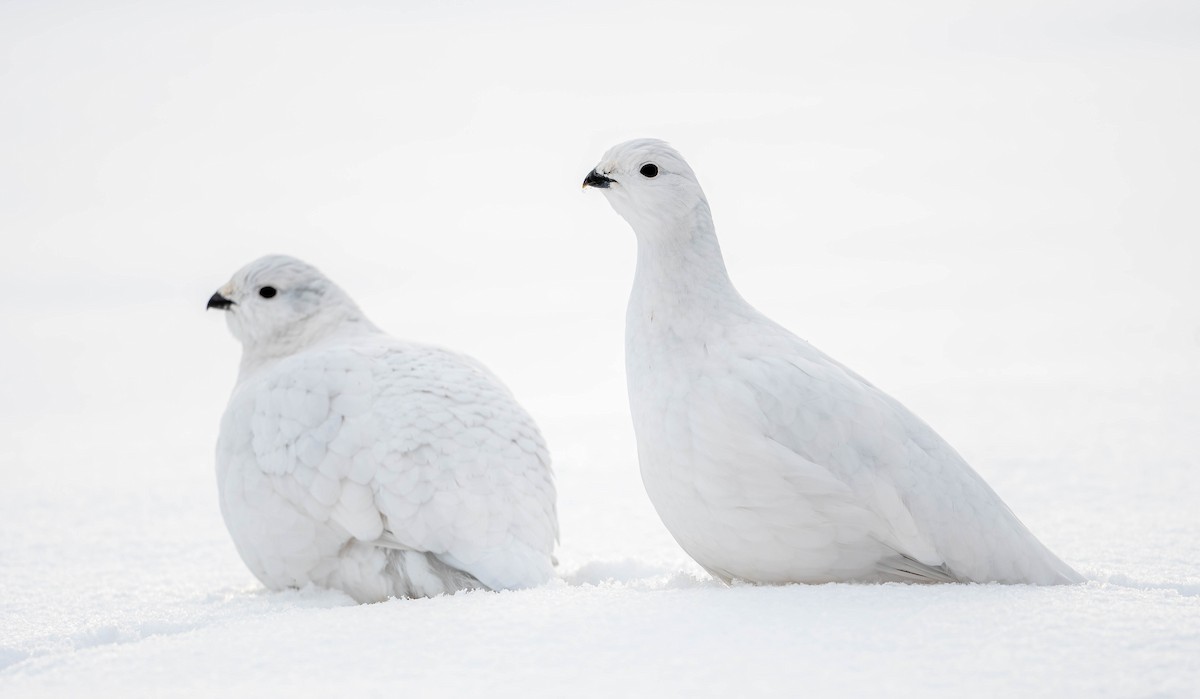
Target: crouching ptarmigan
(358,462)
(768,461)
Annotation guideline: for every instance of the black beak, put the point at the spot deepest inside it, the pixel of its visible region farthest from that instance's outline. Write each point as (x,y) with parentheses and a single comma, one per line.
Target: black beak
(218,301)
(595,179)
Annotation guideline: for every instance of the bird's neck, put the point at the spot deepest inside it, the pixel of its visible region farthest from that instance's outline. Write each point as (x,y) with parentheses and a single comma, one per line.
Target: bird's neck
(681,277)
(317,331)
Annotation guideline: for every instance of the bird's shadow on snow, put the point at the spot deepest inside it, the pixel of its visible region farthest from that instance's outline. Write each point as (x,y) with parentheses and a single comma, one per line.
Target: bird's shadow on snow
(636,574)
(234,604)
(222,606)
(1109,578)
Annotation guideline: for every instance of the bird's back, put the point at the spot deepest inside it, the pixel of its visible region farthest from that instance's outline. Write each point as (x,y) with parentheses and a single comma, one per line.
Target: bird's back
(760,450)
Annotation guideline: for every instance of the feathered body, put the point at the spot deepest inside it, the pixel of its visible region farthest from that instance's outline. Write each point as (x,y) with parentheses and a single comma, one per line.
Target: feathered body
(382,468)
(767,460)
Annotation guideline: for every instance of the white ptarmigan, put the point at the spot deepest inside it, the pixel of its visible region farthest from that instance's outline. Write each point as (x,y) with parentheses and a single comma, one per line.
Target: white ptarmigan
(768,461)
(381,468)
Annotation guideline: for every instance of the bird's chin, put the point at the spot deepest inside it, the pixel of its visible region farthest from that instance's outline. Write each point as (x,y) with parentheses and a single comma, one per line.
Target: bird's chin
(234,322)
(613,191)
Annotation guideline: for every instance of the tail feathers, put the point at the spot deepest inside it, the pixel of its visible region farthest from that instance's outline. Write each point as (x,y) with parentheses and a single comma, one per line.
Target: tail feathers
(422,574)
(901,568)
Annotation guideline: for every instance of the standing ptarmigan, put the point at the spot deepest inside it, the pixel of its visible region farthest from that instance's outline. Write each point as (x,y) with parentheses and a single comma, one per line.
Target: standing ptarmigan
(768,461)
(355,461)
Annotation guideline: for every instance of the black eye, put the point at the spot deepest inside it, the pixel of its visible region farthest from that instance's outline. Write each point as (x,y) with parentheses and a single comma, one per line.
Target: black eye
(649,170)
(267,292)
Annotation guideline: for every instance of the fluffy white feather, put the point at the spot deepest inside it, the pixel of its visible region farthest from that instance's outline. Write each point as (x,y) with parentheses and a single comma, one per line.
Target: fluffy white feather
(767,460)
(355,461)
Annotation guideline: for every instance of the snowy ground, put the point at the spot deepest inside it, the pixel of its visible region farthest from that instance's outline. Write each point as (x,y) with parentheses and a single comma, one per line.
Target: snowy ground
(118,576)
(988,211)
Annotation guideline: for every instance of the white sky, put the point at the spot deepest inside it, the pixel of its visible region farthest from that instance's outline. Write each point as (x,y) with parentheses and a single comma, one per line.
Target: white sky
(928,191)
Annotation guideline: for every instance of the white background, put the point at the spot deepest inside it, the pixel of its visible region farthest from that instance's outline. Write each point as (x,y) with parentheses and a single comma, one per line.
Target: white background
(988,209)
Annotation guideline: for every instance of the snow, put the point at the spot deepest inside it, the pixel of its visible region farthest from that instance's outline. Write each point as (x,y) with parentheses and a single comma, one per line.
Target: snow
(118,575)
(996,212)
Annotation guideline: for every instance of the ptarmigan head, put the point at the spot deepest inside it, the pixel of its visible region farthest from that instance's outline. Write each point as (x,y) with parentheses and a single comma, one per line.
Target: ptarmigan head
(278,305)
(649,184)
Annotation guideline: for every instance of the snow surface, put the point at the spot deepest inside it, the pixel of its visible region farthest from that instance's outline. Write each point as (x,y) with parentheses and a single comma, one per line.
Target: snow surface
(986,210)
(115,583)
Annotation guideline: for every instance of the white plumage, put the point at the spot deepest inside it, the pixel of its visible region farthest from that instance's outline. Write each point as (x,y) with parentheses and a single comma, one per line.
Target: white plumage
(355,461)
(767,460)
